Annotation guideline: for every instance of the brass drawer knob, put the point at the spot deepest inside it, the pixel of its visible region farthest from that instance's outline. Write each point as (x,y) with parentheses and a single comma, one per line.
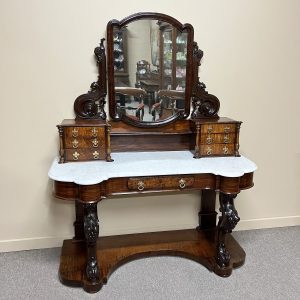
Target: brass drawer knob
(75,155)
(209,151)
(75,132)
(226,129)
(182,183)
(140,185)
(96,154)
(209,140)
(95,143)
(94,132)
(226,139)
(209,129)
(75,143)
(225,150)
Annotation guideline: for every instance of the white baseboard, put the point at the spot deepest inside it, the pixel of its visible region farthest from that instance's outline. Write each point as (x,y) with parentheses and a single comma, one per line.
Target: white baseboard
(268,223)
(31,243)
(50,242)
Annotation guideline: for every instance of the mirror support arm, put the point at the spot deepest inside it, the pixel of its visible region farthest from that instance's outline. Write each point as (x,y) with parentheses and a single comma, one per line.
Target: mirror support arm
(91,104)
(205,105)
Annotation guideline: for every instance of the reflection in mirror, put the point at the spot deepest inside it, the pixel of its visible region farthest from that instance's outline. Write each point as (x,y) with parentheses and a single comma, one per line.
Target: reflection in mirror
(149,70)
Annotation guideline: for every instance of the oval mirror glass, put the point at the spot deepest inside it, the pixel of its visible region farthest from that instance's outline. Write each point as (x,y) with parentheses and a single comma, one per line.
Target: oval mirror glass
(149,66)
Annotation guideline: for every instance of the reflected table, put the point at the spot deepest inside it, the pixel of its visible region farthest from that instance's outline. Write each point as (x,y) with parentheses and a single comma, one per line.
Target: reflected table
(150,86)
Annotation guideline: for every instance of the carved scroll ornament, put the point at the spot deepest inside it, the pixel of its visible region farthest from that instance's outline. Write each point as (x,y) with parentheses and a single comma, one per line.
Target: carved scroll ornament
(204,104)
(223,256)
(91,224)
(91,104)
(229,218)
(92,270)
(226,224)
(91,232)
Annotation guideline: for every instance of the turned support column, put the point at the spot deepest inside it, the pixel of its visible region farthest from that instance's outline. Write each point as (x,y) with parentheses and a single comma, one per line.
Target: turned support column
(227,222)
(207,214)
(91,232)
(78,224)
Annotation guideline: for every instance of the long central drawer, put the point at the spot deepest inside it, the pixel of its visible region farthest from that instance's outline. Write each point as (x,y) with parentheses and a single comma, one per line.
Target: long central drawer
(160,182)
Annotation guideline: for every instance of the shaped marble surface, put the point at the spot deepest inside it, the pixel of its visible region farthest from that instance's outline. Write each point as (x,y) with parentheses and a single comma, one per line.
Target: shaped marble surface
(128,164)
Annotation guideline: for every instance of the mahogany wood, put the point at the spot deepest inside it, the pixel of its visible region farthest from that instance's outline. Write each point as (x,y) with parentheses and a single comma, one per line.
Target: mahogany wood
(160,182)
(205,105)
(218,138)
(91,233)
(78,224)
(82,140)
(113,251)
(227,222)
(66,190)
(123,142)
(207,214)
(177,135)
(91,105)
(124,186)
(178,127)
(88,263)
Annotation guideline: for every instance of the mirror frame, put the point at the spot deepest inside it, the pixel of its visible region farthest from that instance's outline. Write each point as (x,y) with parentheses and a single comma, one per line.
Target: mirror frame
(110,69)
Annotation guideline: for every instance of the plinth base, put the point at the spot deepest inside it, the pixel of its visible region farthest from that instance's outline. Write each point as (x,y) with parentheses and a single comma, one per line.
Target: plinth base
(113,251)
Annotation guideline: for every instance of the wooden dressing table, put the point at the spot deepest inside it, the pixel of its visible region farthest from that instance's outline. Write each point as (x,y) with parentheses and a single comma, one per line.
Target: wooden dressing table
(99,159)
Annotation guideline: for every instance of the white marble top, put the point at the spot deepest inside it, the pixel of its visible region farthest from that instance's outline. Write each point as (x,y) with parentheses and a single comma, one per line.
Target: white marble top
(128,164)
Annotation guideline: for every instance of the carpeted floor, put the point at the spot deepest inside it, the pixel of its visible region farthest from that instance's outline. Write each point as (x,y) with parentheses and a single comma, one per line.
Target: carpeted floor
(271,271)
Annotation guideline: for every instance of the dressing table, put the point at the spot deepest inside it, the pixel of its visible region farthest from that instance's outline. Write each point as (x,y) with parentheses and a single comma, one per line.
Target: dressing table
(178,151)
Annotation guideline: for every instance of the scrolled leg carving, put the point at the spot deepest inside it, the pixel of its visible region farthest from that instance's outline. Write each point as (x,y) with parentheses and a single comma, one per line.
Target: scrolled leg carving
(227,222)
(91,224)
(92,270)
(223,256)
(229,218)
(91,232)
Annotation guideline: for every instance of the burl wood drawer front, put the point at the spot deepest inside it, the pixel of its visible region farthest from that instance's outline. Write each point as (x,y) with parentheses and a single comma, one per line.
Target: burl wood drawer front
(218,128)
(224,138)
(84,154)
(85,142)
(217,149)
(85,132)
(160,182)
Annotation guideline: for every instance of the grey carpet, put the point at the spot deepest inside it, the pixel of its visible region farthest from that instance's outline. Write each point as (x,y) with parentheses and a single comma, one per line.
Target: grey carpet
(271,271)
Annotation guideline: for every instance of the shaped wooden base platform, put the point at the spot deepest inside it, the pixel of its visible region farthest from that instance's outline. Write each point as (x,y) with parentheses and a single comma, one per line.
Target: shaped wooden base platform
(113,251)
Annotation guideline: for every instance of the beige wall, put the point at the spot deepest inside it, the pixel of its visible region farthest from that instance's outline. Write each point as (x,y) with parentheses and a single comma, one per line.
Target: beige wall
(251,62)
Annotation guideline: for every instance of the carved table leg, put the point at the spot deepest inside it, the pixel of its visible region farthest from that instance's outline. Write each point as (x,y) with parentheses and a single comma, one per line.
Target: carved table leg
(78,224)
(207,214)
(226,224)
(91,232)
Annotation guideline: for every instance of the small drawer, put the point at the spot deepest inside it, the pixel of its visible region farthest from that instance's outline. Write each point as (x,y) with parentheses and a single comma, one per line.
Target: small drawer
(218,128)
(217,150)
(224,138)
(84,132)
(83,142)
(160,182)
(84,154)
